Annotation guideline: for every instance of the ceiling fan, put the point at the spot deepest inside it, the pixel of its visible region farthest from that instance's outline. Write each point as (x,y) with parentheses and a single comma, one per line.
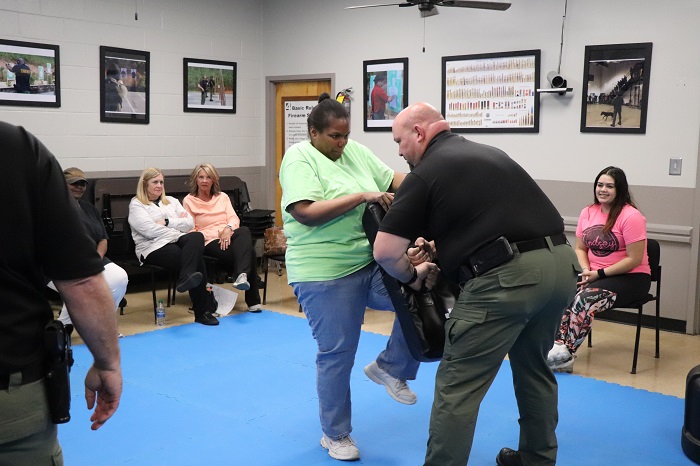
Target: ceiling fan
(428,7)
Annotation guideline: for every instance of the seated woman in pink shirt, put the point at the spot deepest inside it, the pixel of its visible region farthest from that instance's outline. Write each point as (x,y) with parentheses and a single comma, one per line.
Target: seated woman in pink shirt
(611,248)
(224,238)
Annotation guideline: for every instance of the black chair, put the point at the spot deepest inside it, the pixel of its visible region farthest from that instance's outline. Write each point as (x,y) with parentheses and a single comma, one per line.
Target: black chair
(266,258)
(654,253)
(132,267)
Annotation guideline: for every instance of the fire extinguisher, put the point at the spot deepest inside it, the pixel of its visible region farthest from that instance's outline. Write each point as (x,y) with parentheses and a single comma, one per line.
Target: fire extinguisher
(344,98)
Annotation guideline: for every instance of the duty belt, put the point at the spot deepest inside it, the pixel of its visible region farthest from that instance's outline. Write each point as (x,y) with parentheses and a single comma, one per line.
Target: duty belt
(539,243)
(29,374)
(466,272)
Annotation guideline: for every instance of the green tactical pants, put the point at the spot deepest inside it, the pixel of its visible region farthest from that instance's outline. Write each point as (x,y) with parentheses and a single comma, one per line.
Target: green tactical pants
(515,310)
(27,435)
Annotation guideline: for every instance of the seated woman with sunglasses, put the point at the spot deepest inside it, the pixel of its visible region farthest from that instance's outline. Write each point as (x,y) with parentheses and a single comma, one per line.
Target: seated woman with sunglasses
(116,277)
(163,234)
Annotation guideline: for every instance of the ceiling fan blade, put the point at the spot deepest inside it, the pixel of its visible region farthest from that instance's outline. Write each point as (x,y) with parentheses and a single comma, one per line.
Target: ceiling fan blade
(378,4)
(482,5)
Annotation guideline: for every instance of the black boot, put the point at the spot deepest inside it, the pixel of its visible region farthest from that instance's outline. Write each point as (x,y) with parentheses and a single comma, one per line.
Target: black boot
(508,457)
(206,316)
(189,282)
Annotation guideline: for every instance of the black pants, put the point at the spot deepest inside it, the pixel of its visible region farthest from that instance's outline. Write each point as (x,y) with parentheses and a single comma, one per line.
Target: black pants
(239,258)
(630,287)
(185,258)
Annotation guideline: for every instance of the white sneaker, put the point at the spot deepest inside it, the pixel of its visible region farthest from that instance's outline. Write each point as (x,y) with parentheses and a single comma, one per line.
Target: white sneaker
(396,388)
(255,308)
(560,358)
(343,449)
(241,282)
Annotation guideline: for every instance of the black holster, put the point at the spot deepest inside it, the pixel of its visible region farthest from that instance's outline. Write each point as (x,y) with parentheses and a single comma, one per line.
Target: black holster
(58,361)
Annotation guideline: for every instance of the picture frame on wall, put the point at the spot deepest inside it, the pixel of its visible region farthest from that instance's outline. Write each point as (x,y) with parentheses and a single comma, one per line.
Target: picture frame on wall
(385,92)
(124,85)
(209,86)
(492,92)
(616,88)
(29,74)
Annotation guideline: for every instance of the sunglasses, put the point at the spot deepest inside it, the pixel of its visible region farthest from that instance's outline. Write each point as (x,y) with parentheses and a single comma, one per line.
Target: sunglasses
(80,183)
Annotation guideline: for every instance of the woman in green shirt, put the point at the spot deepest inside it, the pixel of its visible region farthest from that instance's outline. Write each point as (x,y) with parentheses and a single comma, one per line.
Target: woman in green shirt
(326,182)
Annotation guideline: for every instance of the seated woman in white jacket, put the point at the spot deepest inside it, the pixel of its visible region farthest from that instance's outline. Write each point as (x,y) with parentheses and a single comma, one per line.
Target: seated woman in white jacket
(162,232)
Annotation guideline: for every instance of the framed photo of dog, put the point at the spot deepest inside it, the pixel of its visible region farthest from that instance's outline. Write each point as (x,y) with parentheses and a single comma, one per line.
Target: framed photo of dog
(385,92)
(615,93)
(124,85)
(29,74)
(208,86)
(492,92)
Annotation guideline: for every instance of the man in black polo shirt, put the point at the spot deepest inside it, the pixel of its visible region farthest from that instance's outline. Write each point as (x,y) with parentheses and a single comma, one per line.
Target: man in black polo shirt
(44,237)
(464,196)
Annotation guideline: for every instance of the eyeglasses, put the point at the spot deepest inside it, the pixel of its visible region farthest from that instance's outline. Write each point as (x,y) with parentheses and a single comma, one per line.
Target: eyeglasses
(80,183)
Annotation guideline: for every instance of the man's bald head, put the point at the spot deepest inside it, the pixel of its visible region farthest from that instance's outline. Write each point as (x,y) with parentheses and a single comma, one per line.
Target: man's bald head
(414,128)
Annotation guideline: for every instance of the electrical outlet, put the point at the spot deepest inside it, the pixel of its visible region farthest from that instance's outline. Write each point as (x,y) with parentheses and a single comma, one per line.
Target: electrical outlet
(674,167)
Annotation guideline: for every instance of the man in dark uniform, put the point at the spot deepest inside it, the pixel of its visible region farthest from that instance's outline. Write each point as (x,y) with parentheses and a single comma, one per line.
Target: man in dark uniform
(212,84)
(203,84)
(52,243)
(113,89)
(617,108)
(22,75)
(464,196)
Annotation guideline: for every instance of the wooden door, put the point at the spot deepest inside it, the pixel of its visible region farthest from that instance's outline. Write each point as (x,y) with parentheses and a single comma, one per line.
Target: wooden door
(299,90)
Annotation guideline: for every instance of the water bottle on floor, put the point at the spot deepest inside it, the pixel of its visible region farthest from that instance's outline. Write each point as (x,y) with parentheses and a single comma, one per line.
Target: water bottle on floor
(160,314)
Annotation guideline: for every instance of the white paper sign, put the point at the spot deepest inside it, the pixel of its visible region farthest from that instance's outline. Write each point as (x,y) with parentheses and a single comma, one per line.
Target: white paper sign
(296,113)
(226,299)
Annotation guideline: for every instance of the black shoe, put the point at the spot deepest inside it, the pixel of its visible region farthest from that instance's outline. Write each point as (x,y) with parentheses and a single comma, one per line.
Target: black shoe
(206,319)
(213,306)
(508,457)
(190,282)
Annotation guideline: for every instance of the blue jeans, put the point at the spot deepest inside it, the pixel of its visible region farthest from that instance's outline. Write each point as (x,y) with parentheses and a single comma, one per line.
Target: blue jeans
(335,309)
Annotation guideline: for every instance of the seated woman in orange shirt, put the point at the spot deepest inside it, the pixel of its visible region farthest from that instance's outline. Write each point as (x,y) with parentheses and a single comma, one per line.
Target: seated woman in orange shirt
(224,238)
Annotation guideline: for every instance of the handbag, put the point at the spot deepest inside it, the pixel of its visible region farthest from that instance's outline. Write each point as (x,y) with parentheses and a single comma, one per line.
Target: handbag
(275,242)
(422,314)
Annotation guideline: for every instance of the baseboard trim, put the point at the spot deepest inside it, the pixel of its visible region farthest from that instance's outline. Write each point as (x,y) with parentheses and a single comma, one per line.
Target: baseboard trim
(671,325)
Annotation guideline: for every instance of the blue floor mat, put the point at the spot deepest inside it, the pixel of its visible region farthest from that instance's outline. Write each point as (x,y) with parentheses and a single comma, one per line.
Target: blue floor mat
(243,393)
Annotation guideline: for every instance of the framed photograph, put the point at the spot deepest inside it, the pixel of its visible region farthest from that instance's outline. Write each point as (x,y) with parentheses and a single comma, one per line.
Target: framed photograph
(209,86)
(124,85)
(616,88)
(29,74)
(385,92)
(492,92)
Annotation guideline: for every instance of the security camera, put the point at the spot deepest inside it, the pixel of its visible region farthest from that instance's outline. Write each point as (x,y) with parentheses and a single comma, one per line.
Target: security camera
(557,83)
(556,80)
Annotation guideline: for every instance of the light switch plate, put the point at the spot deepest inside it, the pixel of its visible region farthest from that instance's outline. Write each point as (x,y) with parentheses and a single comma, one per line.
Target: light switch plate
(674,167)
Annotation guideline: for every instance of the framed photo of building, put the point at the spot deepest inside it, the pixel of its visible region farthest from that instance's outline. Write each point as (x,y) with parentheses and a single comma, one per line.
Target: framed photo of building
(29,74)
(124,85)
(616,88)
(492,92)
(385,92)
(209,86)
